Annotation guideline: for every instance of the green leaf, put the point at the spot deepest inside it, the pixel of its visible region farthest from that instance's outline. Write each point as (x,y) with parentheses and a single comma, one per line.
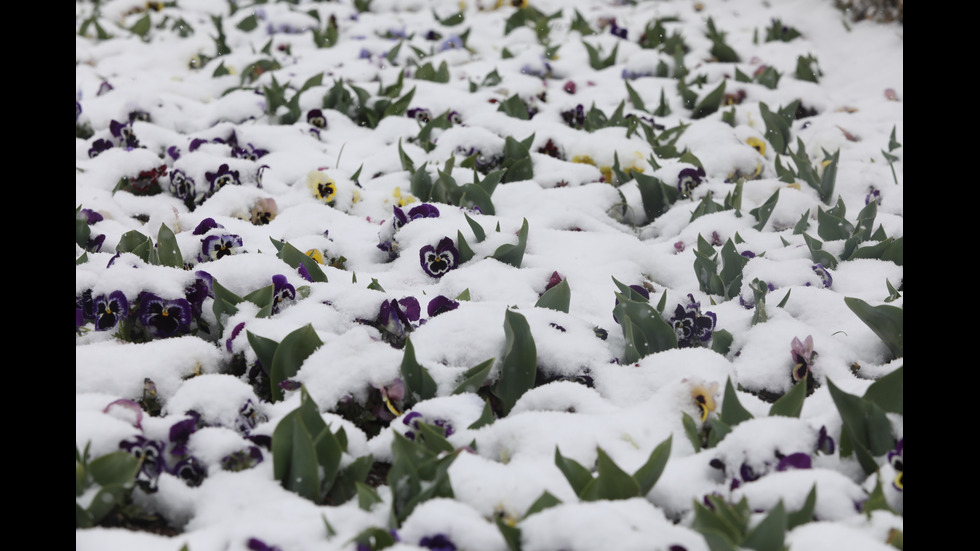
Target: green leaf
(513,254)
(519,365)
(648,475)
(611,482)
(114,468)
(475,197)
(474,377)
(486,417)
(635,98)
(556,298)
(142,26)
(294,257)
(805,514)
(791,403)
(868,429)
(294,457)
(691,431)
(876,500)
(806,68)
(777,129)
(886,321)
(578,476)
(888,391)
(546,501)
(721,341)
(511,534)
(417,378)
(644,330)
(290,355)
(764,211)
(478,230)
(732,412)
(328,454)
(770,534)
(709,103)
(367,497)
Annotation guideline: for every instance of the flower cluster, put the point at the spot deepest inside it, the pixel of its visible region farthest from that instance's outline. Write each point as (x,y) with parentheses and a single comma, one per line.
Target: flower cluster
(692,327)
(158,457)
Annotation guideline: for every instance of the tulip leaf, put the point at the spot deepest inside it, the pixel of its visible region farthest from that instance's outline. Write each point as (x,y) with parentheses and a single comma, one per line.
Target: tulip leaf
(866,428)
(518,368)
(805,514)
(887,392)
(367,497)
(578,476)
(417,378)
(644,330)
(886,321)
(770,534)
(486,417)
(474,377)
(610,482)
(648,475)
(167,249)
(764,211)
(732,411)
(546,501)
(294,257)
(265,350)
(513,254)
(290,355)
(556,298)
(791,403)
(294,457)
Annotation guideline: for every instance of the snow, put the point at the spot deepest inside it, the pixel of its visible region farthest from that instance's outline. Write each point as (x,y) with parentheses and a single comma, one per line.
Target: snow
(589,232)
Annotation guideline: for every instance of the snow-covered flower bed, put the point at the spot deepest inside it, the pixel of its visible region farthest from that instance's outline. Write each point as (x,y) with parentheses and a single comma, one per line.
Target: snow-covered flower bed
(486,275)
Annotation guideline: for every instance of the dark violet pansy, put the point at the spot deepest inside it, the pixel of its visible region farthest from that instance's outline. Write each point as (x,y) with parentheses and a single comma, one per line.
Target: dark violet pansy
(437,261)
(616,30)
(249,152)
(692,327)
(424,210)
(825,278)
(413,418)
(223,177)
(150,455)
(181,186)
(205,226)
(574,117)
(896,458)
(688,179)
(441,305)
(181,431)
(438,542)
(214,247)
(255,544)
(747,473)
(792,461)
(420,114)
(825,442)
(803,354)
(283,294)
(397,317)
(454,117)
(304,273)
(108,310)
(249,417)
(242,459)
(98,147)
(123,132)
(196,292)
(316,118)
(173,152)
(191,471)
(139,115)
(164,318)
(234,333)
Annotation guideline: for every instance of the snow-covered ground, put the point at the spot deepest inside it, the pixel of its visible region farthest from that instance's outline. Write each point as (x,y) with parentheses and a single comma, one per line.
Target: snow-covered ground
(193,150)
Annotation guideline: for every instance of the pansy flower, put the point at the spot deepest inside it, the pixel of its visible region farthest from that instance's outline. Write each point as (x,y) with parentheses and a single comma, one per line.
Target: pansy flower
(803,355)
(190,471)
(109,310)
(182,187)
(704,398)
(149,453)
(263,211)
(574,118)
(441,305)
(98,147)
(757,144)
(424,210)
(437,261)
(223,177)
(283,293)
(205,226)
(164,318)
(825,442)
(454,117)
(420,114)
(242,459)
(873,195)
(438,542)
(181,431)
(249,152)
(255,544)
(691,326)
(896,458)
(147,181)
(324,188)
(794,461)
(413,418)
(825,278)
(688,179)
(214,247)
(315,117)
(398,317)
(123,132)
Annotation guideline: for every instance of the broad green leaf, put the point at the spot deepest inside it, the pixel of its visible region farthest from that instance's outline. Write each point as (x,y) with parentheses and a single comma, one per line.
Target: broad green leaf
(791,403)
(417,378)
(635,98)
(486,417)
(611,482)
(764,211)
(770,534)
(721,341)
(263,299)
(474,196)
(732,411)
(265,350)
(290,355)
(867,427)
(167,249)
(805,514)
(886,321)
(294,458)
(645,331)
(294,257)
(648,475)
(367,497)
(519,365)
(114,468)
(546,501)
(888,391)
(406,161)
(556,298)
(513,254)
(511,534)
(719,429)
(328,455)
(465,252)
(578,476)
(474,377)
(433,438)
(709,103)
(691,431)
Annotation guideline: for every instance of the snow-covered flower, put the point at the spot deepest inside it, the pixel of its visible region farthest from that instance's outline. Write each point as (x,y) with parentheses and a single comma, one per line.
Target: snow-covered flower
(214,247)
(223,177)
(437,261)
(803,355)
(757,144)
(181,186)
(98,146)
(825,278)
(283,293)
(438,542)
(123,133)
(441,304)
(398,317)
(692,327)
(688,179)
(323,186)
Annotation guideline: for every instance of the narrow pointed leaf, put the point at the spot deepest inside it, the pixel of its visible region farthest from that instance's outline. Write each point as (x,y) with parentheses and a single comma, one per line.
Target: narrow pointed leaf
(556,298)
(648,475)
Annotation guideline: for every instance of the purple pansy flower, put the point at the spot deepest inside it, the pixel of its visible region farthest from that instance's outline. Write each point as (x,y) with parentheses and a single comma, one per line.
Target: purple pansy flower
(109,310)
(454,117)
(824,275)
(283,294)
(255,544)
(150,455)
(437,261)
(692,327)
(191,471)
(803,354)
(242,459)
(688,179)
(249,152)
(214,247)
(574,117)
(205,226)
(234,333)
(181,431)
(315,117)
(123,132)
(98,147)
(438,542)
(420,114)
(441,305)
(825,443)
(164,318)
(397,317)
(424,210)
(224,176)
(896,458)
(616,30)
(793,461)
(413,418)
(173,152)
(181,186)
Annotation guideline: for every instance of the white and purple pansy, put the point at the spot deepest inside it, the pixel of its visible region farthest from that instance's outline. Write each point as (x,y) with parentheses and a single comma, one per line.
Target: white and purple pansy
(214,247)
(437,261)
(109,310)
(164,318)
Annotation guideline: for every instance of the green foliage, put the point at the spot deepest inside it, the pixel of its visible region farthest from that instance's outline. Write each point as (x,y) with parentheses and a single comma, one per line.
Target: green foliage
(418,381)
(294,258)
(419,471)
(513,254)
(102,485)
(866,430)
(719,49)
(811,174)
(778,31)
(709,103)
(430,73)
(595,58)
(778,125)
(644,329)
(556,298)
(657,196)
(727,282)
(764,211)
(885,320)
(807,68)
(518,368)
(282,360)
(610,481)
(726,526)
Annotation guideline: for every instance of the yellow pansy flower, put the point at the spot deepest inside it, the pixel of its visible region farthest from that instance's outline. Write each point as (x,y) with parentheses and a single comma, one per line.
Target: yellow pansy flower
(704,398)
(315,254)
(757,145)
(323,186)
